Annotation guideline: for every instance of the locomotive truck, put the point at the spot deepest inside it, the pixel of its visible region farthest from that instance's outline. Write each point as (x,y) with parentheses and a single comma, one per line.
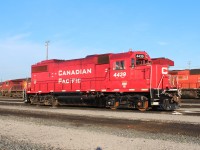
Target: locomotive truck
(113,80)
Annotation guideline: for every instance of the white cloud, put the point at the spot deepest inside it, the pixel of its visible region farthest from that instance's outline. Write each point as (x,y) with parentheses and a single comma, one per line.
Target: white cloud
(17,54)
(18,37)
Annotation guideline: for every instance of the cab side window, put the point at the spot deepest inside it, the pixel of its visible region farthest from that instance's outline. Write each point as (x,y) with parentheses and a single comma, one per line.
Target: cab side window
(132,62)
(119,65)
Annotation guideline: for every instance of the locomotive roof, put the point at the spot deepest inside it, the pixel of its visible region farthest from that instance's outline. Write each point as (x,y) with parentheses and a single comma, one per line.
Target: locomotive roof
(127,54)
(162,61)
(96,55)
(186,71)
(96,58)
(18,80)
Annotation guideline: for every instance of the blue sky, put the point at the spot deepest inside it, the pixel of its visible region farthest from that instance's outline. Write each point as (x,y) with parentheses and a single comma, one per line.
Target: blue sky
(76,28)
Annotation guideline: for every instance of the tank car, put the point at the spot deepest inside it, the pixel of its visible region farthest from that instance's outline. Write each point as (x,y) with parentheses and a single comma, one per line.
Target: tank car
(188,81)
(14,88)
(114,80)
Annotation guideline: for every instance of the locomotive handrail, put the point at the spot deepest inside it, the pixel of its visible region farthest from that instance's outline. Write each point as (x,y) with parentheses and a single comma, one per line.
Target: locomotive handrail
(159,85)
(150,82)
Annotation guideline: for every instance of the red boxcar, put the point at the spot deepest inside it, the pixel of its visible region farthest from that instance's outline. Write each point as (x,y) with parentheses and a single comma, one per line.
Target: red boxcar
(109,80)
(14,88)
(188,81)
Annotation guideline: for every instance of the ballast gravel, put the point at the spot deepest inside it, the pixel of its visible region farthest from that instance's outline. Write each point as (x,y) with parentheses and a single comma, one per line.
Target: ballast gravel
(18,133)
(25,133)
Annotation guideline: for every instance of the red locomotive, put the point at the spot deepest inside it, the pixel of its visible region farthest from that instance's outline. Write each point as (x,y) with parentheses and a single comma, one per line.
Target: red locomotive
(127,79)
(1,83)
(14,88)
(188,81)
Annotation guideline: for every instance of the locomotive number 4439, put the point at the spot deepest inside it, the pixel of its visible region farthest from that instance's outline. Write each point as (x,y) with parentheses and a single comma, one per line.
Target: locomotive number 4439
(120,74)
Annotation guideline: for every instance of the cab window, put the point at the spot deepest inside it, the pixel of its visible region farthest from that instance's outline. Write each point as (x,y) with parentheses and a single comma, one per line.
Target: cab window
(142,62)
(119,65)
(141,59)
(132,62)
(139,62)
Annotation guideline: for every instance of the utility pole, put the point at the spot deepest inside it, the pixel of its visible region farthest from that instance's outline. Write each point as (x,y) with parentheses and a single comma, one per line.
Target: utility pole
(47,46)
(189,63)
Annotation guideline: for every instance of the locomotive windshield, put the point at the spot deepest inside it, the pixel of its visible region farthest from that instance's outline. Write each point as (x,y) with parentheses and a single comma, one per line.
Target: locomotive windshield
(141,60)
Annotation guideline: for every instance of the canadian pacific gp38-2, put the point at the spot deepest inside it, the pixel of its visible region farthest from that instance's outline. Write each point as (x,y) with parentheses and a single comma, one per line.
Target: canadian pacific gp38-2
(129,79)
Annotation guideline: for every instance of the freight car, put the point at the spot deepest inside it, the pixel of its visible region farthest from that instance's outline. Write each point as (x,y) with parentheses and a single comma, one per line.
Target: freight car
(14,88)
(188,81)
(107,80)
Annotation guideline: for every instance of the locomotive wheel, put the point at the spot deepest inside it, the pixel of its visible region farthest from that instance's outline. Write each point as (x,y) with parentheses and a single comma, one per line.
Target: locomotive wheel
(33,100)
(141,102)
(47,100)
(142,106)
(166,104)
(111,102)
(116,104)
(55,102)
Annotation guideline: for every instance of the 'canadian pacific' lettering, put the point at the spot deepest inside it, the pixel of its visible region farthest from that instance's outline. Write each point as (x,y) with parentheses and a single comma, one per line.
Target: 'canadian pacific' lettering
(67,81)
(74,72)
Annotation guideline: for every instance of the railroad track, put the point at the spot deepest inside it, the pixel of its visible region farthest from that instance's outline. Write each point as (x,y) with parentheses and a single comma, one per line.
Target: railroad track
(188,107)
(181,125)
(151,126)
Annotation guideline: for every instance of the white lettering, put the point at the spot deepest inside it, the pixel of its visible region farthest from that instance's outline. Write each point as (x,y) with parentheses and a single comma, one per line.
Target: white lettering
(71,81)
(60,80)
(64,73)
(89,70)
(60,73)
(84,71)
(77,71)
(74,72)
(119,74)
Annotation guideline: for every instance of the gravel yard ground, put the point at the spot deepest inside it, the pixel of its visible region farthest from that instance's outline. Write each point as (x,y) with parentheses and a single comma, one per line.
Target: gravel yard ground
(48,131)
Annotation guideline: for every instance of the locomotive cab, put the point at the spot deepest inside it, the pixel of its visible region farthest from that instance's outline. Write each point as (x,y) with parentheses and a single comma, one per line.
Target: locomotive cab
(145,84)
